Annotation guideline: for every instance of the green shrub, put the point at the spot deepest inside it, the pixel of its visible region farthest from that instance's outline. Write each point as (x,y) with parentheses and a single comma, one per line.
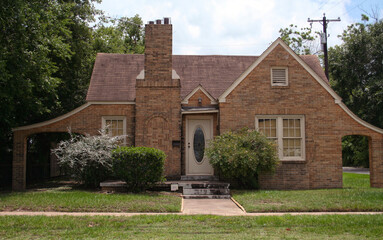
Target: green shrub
(242,155)
(139,167)
(87,158)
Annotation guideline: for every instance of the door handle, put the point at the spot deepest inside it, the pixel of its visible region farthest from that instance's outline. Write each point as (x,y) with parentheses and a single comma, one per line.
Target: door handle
(188,144)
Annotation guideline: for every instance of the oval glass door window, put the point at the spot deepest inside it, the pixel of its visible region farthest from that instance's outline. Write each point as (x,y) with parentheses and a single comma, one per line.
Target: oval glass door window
(199,144)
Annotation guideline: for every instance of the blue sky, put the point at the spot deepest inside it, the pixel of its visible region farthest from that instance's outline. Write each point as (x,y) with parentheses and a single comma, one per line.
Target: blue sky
(240,27)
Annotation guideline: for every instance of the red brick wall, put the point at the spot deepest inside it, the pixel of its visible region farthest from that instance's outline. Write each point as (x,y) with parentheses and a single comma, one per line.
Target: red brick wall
(87,121)
(325,124)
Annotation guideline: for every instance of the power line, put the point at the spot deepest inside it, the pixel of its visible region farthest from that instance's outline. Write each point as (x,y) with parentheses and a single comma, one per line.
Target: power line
(324,21)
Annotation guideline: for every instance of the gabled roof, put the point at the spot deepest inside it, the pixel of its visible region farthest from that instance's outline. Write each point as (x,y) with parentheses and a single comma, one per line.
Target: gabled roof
(308,63)
(207,94)
(114,75)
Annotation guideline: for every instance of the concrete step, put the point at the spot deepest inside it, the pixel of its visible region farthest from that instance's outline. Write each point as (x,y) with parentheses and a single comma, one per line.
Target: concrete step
(206,191)
(199,178)
(206,196)
(205,185)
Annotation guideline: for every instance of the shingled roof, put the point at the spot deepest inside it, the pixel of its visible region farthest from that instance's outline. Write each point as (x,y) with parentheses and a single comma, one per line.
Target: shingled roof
(114,75)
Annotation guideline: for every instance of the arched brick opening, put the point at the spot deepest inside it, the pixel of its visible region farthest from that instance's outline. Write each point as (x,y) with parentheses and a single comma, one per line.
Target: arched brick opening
(86,119)
(20,148)
(41,163)
(367,150)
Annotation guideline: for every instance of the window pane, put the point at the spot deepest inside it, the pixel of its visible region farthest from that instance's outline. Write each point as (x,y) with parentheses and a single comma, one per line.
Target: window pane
(114,132)
(292,147)
(268,127)
(291,139)
(273,132)
(285,122)
(120,132)
(119,123)
(297,123)
(297,132)
(114,127)
(285,132)
(262,130)
(114,124)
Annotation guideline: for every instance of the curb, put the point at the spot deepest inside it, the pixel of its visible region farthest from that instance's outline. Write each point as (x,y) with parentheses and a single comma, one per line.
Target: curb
(238,205)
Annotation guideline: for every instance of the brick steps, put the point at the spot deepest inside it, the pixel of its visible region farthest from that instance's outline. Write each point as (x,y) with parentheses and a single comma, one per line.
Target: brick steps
(194,188)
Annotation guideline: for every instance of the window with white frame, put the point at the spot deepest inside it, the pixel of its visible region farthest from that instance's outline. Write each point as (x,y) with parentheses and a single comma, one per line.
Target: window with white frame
(279,76)
(114,125)
(287,131)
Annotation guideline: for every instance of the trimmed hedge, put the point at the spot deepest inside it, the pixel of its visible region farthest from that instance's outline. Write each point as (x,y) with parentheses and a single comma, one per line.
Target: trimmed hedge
(242,155)
(139,167)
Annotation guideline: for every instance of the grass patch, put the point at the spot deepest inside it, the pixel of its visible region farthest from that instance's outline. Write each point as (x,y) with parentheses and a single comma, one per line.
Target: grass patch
(193,227)
(68,200)
(356,195)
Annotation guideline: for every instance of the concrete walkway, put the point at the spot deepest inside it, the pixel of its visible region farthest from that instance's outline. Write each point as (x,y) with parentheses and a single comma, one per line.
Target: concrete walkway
(224,207)
(356,170)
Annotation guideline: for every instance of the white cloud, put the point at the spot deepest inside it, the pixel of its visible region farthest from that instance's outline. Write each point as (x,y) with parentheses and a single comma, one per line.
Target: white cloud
(240,27)
(194,31)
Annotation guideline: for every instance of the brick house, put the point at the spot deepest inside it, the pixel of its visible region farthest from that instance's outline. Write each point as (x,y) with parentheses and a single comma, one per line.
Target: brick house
(176,103)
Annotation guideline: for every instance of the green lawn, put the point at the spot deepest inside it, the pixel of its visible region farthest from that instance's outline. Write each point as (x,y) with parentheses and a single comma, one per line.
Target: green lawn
(356,195)
(68,200)
(193,227)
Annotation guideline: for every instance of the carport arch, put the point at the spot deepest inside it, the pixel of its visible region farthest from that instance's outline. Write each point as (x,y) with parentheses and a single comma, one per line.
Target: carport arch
(370,149)
(86,119)
(19,163)
(74,120)
(40,161)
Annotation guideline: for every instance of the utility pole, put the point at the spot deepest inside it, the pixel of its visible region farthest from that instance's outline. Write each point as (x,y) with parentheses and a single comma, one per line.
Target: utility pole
(324,22)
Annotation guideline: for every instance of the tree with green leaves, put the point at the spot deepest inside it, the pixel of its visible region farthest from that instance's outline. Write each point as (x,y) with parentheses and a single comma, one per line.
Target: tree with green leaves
(47,52)
(356,70)
(123,35)
(302,41)
(356,74)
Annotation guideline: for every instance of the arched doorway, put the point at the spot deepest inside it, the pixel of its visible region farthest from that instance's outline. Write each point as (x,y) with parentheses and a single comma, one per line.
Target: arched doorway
(41,164)
(356,157)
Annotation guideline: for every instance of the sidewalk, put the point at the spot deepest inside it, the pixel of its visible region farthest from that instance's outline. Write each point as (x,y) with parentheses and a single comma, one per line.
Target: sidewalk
(219,207)
(356,170)
(51,214)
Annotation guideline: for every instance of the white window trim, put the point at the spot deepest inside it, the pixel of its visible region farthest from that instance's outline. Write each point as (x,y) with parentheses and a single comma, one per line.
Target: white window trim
(279,125)
(123,118)
(287,76)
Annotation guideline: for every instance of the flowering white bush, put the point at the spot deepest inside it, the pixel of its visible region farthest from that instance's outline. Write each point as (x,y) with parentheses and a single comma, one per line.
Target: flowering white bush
(88,158)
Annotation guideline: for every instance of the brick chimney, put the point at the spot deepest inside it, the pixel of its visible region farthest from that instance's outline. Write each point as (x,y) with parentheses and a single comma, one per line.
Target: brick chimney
(158,98)
(158,50)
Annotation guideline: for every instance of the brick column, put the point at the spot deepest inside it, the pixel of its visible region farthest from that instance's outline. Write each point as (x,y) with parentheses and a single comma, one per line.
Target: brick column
(19,163)
(376,161)
(158,121)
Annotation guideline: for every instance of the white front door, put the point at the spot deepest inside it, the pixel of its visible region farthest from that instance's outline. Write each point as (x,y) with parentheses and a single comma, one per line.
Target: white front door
(199,130)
